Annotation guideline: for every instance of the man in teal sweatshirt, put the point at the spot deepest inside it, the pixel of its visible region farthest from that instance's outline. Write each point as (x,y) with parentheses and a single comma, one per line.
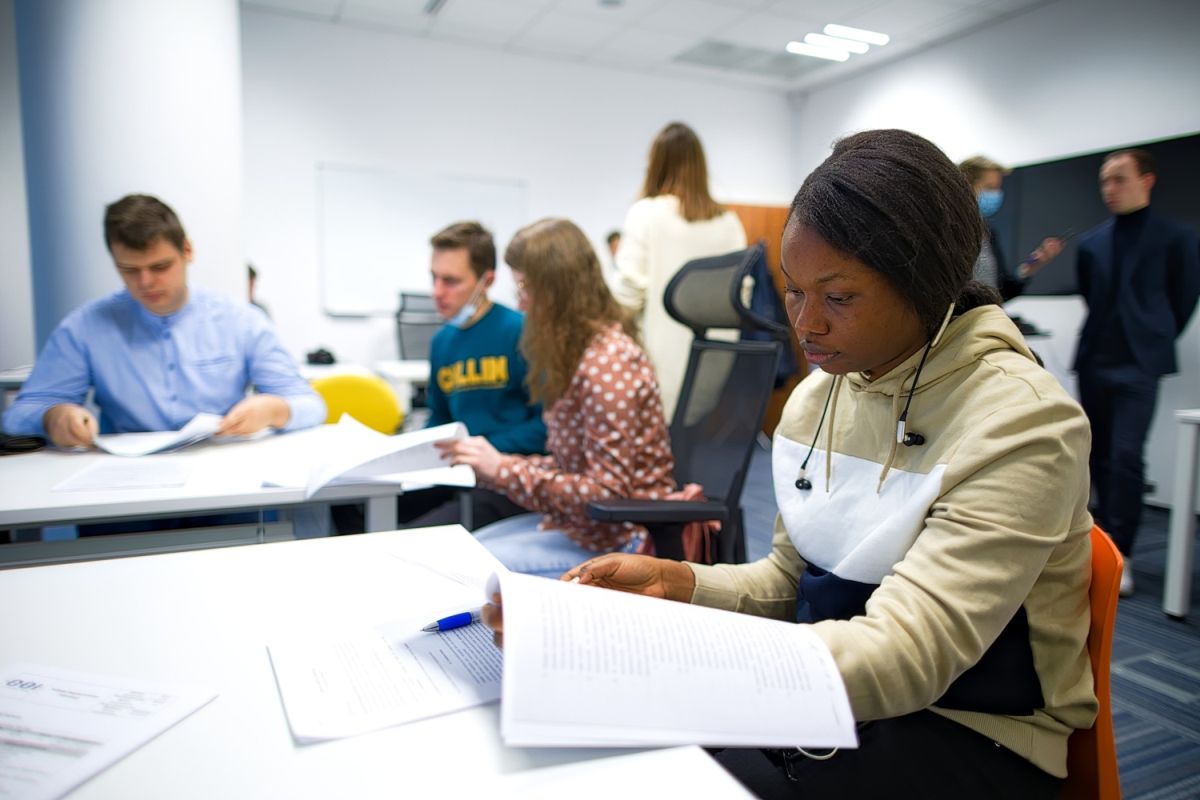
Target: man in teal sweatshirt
(476,372)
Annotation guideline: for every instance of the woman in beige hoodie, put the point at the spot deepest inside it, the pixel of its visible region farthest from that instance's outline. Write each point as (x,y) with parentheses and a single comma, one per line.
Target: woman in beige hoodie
(932,484)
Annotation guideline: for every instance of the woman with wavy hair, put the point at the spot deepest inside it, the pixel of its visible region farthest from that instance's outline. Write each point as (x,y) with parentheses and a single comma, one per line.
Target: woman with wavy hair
(675,222)
(605,430)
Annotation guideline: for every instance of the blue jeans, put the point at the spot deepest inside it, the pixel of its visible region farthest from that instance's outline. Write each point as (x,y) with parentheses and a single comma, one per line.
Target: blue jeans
(517,543)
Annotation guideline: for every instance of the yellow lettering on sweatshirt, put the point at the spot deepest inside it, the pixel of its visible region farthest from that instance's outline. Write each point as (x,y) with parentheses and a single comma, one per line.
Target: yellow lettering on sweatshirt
(486,372)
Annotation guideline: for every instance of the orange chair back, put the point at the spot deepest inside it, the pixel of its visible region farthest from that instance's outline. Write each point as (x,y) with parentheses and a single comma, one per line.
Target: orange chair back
(1092,754)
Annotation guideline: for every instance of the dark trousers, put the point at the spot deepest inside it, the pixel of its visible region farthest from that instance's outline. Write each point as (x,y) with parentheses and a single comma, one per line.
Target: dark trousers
(918,755)
(439,505)
(1119,402)
(173,523)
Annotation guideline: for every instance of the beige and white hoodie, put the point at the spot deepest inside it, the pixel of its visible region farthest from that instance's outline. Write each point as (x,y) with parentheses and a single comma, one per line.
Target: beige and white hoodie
(951,575)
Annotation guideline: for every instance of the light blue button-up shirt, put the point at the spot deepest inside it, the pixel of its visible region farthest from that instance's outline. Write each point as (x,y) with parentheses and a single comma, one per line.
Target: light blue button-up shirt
(153,373)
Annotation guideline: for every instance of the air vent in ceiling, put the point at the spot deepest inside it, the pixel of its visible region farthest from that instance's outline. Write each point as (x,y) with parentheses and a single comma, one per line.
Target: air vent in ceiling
(735,57)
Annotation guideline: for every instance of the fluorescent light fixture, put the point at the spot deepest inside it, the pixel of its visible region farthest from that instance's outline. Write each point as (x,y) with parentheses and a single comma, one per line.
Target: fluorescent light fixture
(857,34)
(821,40)
(802,49)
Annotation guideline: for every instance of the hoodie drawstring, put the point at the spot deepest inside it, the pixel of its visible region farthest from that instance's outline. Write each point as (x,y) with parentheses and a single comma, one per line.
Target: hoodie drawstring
(837,382)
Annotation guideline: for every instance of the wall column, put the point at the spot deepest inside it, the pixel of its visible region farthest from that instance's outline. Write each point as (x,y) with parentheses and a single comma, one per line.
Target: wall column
(124,96)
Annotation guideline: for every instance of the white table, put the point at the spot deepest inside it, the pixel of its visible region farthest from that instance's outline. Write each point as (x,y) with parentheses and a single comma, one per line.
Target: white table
(403,376)
(206,617)
(1177,588)
(12,380)
(224,477)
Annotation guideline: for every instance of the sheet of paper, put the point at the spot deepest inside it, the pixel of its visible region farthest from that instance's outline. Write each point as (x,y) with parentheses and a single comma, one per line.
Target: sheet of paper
(460,475)
(340,684)
(128,474)
(376,679)
(58,728)
(358,453)
(200,427)
(593,667)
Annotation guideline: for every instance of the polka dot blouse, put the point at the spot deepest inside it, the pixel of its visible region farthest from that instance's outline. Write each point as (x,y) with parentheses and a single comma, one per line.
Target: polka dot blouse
(607,439)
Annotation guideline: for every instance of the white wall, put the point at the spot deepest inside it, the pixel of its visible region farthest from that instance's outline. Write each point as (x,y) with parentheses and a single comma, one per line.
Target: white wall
(1070,77)
(16,309)
(577,134)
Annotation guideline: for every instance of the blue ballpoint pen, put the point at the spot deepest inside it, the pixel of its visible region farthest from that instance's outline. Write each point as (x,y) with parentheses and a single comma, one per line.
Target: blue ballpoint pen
(453,621)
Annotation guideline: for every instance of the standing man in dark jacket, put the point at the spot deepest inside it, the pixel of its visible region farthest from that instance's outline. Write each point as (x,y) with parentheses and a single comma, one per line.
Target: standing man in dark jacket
(1140,276)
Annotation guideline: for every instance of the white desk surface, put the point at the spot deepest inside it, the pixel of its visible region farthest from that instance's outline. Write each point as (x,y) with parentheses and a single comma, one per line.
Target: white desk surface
(411,371)
(205,618)
(14,377)
(225,476)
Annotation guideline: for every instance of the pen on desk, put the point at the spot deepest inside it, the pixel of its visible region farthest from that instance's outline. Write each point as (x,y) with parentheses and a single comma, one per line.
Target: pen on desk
(453,621)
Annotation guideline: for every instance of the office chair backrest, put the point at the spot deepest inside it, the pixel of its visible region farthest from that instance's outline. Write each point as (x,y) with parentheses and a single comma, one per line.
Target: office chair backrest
(726,385)
(367,398)
(417,321)
(1092,754)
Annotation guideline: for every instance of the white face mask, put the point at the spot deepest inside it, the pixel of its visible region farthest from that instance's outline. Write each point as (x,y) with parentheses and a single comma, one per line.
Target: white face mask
(465,313)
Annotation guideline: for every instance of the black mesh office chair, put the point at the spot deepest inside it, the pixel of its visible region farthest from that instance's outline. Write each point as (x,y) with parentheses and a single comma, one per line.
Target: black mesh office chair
(720,411)
(417,321)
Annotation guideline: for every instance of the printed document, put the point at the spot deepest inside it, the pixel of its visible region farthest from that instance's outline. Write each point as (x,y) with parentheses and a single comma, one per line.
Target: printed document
(343,684)
(381,678)
(59,728)
(200,427)
(592,667)
(112,473)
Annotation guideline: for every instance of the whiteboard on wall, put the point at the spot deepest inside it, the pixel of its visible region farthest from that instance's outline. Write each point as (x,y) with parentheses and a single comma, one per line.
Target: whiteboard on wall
(375,225)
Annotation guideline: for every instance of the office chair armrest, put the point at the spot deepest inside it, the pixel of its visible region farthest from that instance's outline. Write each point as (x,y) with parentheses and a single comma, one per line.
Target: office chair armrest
(657,512)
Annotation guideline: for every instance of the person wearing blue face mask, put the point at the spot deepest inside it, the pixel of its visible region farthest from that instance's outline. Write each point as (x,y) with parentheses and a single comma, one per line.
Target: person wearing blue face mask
(987,178)
(476,373)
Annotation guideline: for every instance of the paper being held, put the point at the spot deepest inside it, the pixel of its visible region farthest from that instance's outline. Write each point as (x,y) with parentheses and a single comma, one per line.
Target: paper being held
(585,666)
(200,427)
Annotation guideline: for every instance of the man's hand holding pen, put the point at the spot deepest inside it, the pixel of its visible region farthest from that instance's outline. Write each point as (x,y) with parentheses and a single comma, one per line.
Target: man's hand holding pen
(70,425)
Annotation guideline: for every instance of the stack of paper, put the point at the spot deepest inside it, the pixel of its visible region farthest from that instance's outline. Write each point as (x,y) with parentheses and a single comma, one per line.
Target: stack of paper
(593,667)
(200,427)
(358,454)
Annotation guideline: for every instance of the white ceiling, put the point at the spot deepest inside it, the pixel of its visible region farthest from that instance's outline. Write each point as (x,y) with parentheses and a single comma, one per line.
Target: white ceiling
(739,41)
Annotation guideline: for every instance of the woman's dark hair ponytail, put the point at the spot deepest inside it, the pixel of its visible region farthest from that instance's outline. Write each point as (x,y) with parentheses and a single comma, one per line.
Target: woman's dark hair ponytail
(974,295)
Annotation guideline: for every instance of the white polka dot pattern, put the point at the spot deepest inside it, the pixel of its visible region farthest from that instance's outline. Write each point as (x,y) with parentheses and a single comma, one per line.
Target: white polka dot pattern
(605,441)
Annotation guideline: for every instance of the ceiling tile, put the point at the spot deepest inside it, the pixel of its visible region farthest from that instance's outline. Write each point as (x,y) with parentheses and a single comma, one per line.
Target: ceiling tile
(753,5)
(824,11)
(558,33)
(629,11)
(768,31)
(693,17)
(638,48)
(901,17)
(314,8)
(407,16)
(484,21)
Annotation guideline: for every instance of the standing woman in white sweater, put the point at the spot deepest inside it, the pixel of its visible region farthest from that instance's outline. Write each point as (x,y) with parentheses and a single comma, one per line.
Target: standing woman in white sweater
(676,221)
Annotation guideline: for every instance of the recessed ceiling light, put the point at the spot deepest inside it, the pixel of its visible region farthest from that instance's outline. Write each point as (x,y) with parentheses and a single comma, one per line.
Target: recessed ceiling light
(858,34)
(829,53)
(837,43)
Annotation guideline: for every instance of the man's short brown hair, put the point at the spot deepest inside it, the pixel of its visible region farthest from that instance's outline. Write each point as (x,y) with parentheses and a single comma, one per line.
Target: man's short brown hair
(1141,159)
(472,237)
(975,167)
(137,220)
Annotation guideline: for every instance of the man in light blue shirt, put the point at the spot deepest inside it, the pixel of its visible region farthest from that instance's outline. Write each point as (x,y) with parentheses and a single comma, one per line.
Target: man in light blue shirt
(158,352)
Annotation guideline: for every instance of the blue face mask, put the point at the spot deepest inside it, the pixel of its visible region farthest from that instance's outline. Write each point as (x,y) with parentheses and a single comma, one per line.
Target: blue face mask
(990,201)
(467,311)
